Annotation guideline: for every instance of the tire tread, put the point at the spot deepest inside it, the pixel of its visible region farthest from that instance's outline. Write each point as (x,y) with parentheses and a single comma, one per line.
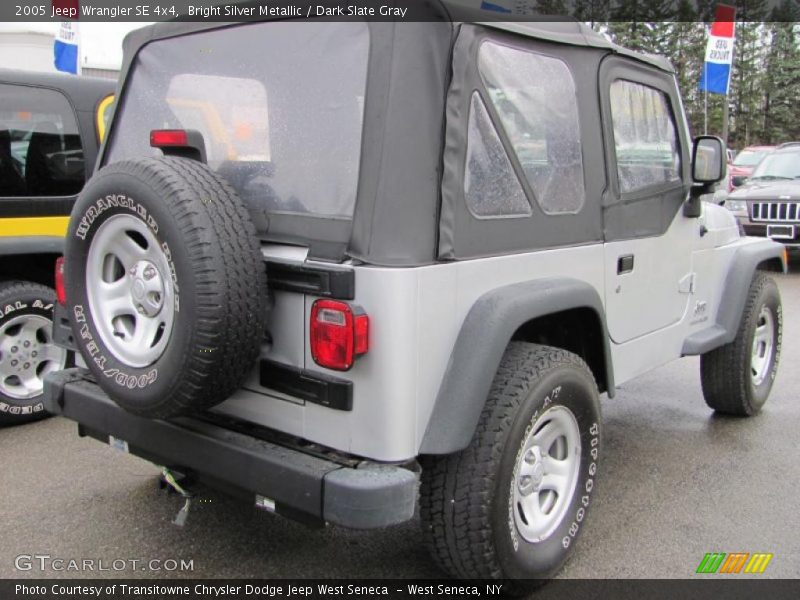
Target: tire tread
(215,228)
(9,290)
(725,383)
(456,491)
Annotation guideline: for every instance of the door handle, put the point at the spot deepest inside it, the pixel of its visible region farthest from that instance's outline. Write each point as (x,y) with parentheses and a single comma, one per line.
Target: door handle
(625,264)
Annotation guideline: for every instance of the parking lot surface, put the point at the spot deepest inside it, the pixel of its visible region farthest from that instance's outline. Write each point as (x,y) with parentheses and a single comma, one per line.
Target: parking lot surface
(677,482)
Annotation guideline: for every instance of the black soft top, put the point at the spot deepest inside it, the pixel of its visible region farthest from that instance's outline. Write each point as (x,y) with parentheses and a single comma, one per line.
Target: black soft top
(568,31)
(399,199)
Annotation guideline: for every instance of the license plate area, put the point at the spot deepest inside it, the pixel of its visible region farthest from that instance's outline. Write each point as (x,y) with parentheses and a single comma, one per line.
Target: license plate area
(780,232)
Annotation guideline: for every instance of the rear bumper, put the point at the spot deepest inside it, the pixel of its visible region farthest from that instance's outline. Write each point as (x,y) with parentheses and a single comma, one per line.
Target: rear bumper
(301,485)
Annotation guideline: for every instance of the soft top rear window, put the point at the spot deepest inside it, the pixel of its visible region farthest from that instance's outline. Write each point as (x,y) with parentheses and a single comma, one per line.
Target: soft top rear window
(279,104)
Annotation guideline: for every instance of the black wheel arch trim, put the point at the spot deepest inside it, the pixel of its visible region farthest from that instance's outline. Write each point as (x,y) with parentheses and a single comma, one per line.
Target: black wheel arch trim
(493,320)
(746,260)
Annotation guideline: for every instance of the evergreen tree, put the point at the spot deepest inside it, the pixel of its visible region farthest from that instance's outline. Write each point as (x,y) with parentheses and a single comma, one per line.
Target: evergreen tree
(746,93)
(593,12)
(642,25)
(782,77)
(551,7)
(626,23)
(765,82)
(685,47)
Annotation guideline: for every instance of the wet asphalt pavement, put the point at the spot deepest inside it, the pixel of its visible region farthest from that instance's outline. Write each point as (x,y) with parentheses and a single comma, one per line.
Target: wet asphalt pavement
(676,482)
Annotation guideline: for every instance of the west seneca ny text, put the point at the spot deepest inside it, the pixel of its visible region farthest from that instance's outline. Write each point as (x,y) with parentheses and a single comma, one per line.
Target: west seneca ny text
(172,590)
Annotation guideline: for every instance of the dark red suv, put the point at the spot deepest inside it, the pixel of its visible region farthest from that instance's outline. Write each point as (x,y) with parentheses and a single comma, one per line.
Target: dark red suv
(742,166)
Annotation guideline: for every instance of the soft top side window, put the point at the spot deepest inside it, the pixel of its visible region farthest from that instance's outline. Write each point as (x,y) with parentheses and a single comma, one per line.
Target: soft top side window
(491,187)
(645,136)
(535,97)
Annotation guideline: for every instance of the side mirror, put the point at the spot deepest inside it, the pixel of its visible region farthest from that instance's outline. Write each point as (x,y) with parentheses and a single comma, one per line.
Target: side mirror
(708,159)
(738,180)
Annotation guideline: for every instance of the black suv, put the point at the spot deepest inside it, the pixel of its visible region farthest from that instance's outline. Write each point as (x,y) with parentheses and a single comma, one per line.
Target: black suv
(768,204)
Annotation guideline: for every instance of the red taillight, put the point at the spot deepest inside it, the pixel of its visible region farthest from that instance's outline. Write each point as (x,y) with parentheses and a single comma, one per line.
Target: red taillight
(338,334)
(362,334)
(61,293)
(160,138)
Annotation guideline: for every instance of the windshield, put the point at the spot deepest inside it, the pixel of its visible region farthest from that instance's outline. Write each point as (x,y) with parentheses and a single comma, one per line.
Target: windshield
(749,158)
(784,165)
(279,104)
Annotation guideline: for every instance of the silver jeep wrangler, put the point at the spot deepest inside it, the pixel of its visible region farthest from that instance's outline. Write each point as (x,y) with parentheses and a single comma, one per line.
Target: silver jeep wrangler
(355,268)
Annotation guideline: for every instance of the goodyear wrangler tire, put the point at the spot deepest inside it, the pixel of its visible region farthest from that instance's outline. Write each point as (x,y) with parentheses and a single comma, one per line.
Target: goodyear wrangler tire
(165,285)
(27,351)
(512,504)
(737,377)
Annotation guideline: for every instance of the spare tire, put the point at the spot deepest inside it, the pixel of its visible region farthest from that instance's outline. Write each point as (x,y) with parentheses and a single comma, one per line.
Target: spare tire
(165,285)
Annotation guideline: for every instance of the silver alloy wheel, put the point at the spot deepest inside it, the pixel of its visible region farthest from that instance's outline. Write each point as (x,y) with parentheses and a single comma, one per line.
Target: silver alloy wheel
(130,292)
(546,473)
(27,354)
(763,346)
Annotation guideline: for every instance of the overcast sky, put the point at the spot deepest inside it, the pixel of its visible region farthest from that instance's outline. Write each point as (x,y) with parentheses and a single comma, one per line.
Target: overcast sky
(101,43)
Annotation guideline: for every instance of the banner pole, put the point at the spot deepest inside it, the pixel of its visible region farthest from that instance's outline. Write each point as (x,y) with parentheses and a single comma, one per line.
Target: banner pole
(705,103)
(725,117)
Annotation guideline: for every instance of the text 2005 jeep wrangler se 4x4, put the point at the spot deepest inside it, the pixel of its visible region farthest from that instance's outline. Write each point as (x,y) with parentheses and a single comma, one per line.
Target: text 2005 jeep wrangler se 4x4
(350,268)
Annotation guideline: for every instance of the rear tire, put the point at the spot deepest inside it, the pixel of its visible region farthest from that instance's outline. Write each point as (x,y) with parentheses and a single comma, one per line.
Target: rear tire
(737,377)
(166,285)
(537,444)
(27,351)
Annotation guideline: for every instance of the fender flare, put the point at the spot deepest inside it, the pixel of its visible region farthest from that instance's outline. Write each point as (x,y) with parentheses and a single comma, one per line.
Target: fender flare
(734,295)
(484,337)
